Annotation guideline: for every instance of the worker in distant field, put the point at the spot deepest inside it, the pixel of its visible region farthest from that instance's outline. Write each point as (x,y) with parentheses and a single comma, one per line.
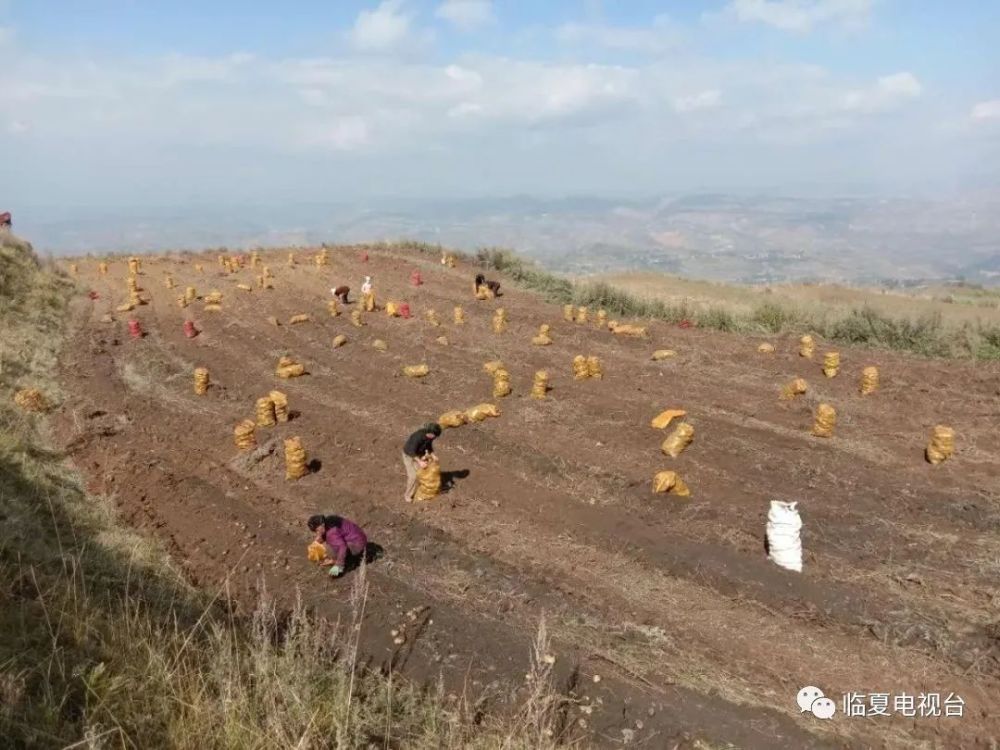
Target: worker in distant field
(341,292)
(482,281)
(419,448)
(343,541)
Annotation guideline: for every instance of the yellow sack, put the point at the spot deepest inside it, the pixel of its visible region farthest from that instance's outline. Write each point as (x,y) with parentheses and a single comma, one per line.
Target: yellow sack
(492,366)
(200,381)
(452,419)
(629,330)
(766,348)
(542,339)
(214,297)
(499,320)
(300,318)
(668,481)
(484,292)
(295,459)
(243,435)
(501,384)
(273,320)
(568,313)
(380,345)
(869,381)
(416,371)
(211,307)
(356,319)
(339,340)
(125,307)
(602,319)
(391,309)
(168,281)
(428,481)
(443,340)
(942,444)
(825,421)
(245,287)
(316,552)
(831,364)
(482,411)
(541,385)
(265,412)
(333,308)
(190,294)
(581,315)
(796,388)
(182,302)
(662,420)
(199,267)
(31,399)
(459,316)
(368,300)
(580,369)
(807,347)
(432,317)
(663,354)
(291,259)
(102,268)
(678,440)
(280,402)
(594,369)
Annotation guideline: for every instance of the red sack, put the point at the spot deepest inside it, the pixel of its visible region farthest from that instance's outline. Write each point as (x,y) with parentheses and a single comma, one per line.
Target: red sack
(135,329)
(93,295)
(415,278)
(189,330)
(685,324)
(363,257)
(404,310)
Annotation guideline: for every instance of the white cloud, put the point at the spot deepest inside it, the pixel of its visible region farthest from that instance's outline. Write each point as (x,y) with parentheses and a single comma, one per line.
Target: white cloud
(17,127)
(657,38)
(708,99)
(343,134)
(988,110)
(466,14)
(887,92)
(801,16)
(381,29)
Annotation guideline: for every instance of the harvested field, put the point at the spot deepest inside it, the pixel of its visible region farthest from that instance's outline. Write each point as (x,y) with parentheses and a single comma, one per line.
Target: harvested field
(548,511)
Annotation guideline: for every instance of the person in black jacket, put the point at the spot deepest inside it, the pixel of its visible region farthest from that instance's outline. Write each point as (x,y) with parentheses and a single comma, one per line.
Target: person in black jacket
(418,447)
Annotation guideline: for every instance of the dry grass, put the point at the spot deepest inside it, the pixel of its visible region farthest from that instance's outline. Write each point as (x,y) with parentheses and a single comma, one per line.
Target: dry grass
(103,645)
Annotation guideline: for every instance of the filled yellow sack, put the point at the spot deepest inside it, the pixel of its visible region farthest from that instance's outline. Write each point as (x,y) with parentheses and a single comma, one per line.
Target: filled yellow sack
(580,369)
(273,320)
(452,419)
(795,388)
(458,316)
(133,266)
(825,421)
(125,307)
(356,320)
(316,552)
(333,308)
(300,318)
(629,330)
(134,299)
(663,354)
(807,347)
(243,435)
(182,302)
(766,348)
(200,381)
(380,345)
(291,259)
(568,313)
(280,402)
(594,369)
(499,320)
(678,440)
(265,412)
(168,281)
(211,307)
(501,384)
(416,371)
(540,386)
(602,319)
(289,368)
(392,309)
(668,481)
(484,292)
(31,399)
(869,381)
(443,340)
(942,444)
(662,420)
(368,302)
(245,287)
(581,314)
(542,339)
(295,459)
(428,481)
(199,267)
(492,366)
(102,268)
(190,294)
(339,340)
(213,297)
(432,317)
(831,364)
(481,411)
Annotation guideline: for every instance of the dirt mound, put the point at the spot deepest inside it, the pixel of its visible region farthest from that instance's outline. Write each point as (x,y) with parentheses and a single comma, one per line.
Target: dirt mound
(668,619)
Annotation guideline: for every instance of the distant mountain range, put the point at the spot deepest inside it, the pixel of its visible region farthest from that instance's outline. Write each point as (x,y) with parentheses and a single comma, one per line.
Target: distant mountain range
(757,239)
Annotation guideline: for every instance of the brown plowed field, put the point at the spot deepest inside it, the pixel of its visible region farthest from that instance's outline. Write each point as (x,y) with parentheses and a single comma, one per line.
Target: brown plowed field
(672,601)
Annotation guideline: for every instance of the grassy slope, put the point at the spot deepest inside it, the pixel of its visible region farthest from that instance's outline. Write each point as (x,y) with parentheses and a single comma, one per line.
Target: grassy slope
(104,645)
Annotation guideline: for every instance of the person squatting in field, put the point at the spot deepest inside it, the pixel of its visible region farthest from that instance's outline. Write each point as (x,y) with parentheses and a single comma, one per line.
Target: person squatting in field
(493,286)
(419,447)
(344,541)
(341,292)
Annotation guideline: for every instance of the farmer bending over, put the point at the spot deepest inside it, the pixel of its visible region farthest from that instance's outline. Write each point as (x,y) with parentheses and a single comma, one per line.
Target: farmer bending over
(341,537)
(418,449)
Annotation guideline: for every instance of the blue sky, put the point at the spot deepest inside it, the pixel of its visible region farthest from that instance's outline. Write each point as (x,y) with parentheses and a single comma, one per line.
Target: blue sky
(161,103)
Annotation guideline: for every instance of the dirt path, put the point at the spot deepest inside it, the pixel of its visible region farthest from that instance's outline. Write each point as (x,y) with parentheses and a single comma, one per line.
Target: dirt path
(672,602)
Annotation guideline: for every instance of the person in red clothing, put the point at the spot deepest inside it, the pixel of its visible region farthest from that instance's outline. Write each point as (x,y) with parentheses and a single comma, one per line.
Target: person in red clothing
(341,537)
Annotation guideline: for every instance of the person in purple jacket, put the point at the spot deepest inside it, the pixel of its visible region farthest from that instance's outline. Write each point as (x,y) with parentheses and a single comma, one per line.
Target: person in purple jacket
(341,537)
